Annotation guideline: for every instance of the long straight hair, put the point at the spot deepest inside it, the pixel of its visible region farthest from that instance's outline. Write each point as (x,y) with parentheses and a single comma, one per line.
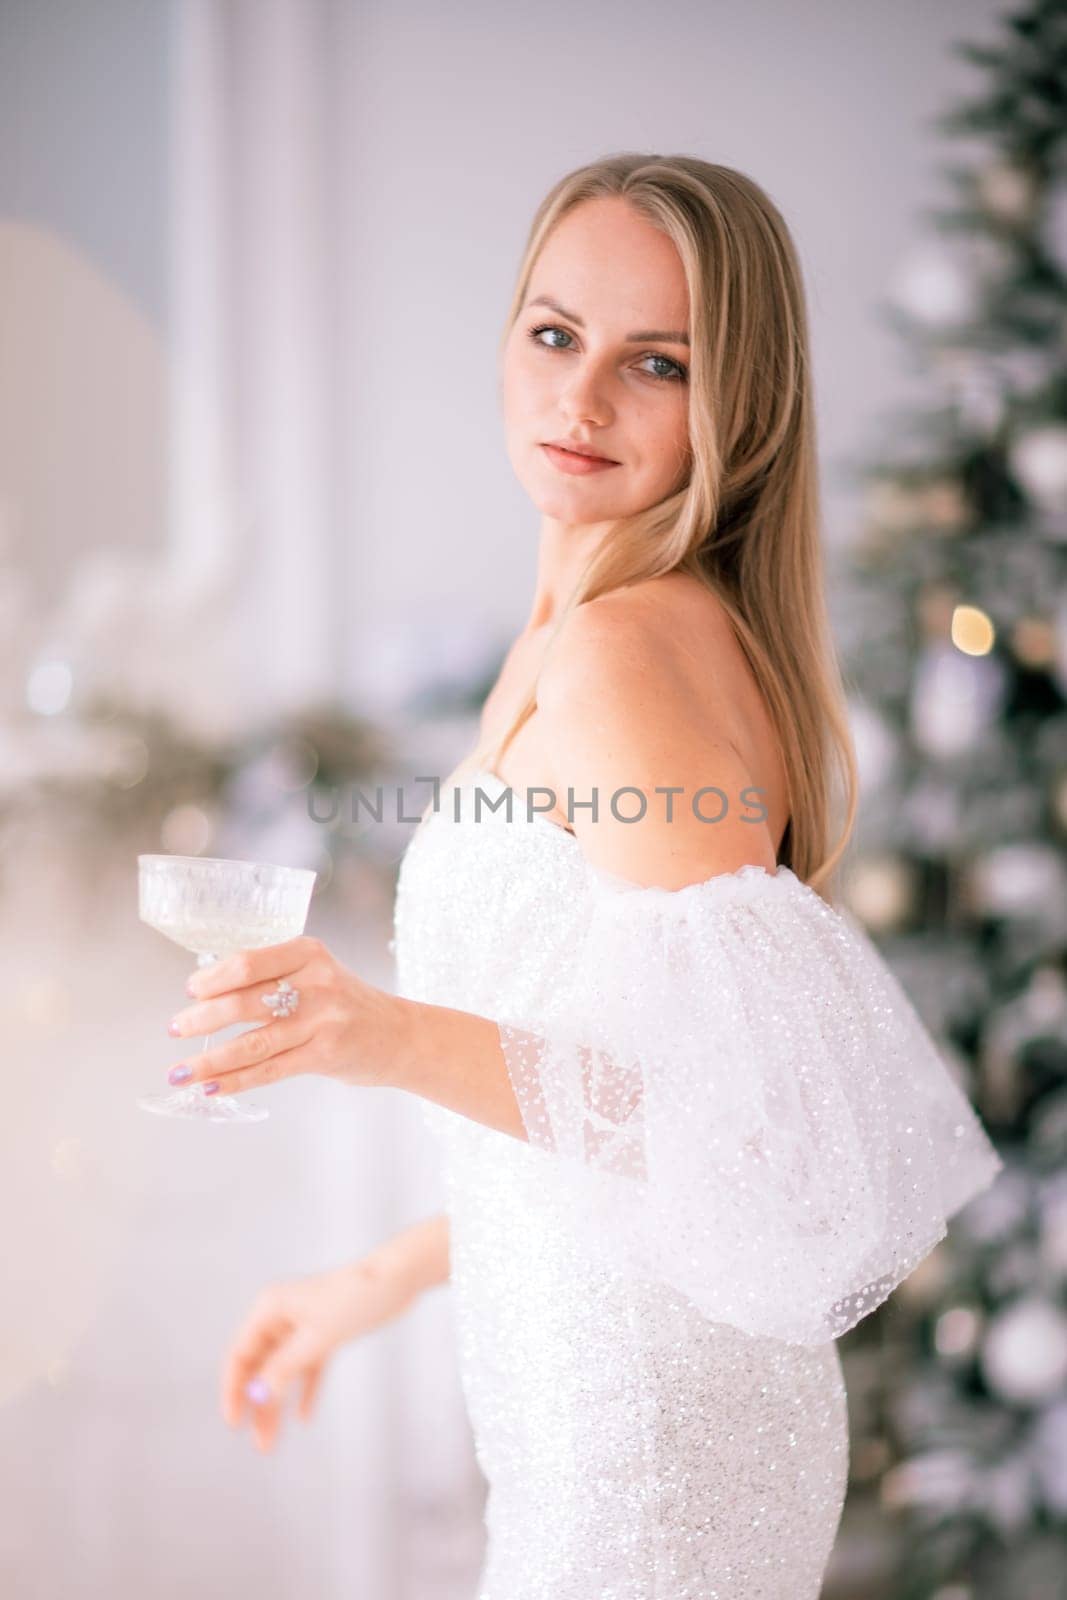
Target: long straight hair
(747,521)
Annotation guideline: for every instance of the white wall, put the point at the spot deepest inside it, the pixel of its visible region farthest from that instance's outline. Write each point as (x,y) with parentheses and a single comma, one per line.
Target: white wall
(83,281)
(83,131)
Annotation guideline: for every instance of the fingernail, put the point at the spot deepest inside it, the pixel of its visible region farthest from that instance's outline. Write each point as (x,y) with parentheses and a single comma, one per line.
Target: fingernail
(257,1392)
(179,1074)
(173,1029)
(189,987)
(211,1088)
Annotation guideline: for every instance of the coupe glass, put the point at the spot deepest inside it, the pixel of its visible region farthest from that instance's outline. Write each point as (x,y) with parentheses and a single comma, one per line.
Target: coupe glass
(213,906)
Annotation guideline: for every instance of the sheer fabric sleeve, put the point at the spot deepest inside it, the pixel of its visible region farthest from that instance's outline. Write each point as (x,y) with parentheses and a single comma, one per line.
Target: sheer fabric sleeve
(740,1102)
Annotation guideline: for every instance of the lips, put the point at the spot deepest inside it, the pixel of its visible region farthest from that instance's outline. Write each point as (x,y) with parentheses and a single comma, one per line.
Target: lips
(575,449)
(574,464)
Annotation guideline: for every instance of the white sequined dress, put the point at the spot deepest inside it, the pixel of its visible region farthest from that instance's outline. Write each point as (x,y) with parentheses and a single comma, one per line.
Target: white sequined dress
(740,1139)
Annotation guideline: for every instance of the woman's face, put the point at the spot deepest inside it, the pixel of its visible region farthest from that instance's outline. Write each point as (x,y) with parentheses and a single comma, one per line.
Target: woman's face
(608,368)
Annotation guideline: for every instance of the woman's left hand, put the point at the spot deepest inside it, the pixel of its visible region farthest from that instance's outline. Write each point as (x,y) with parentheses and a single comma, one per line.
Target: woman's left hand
(341,1027)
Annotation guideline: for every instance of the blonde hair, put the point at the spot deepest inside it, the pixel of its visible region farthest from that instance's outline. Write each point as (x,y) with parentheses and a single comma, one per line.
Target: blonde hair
(747,521)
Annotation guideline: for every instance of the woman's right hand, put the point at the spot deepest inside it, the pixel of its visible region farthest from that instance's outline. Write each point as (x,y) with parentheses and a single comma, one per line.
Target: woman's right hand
(292,1330)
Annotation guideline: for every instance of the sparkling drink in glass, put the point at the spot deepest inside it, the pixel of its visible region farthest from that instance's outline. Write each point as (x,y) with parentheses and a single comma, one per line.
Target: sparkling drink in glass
(213,906)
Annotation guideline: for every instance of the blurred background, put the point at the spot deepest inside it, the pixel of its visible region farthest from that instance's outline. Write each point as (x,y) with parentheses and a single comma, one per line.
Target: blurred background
(260,542)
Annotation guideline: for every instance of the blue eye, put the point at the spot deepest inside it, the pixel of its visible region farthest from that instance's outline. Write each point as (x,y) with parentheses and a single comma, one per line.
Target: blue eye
(548,328)
(677,374)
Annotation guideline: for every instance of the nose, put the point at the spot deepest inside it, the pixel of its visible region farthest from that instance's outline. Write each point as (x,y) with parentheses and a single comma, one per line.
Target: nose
(583,398)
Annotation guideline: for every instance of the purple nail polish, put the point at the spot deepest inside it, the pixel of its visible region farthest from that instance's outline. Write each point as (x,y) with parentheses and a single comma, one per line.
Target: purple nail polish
(172,1029)
(211,1088)
(257,1392)
(180,1073)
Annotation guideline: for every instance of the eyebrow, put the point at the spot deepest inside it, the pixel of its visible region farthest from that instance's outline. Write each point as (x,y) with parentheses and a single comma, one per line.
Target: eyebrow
(638,337)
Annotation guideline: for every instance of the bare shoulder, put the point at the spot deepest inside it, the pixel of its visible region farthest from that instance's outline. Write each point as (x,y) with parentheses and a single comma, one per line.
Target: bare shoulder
(672,627)
(635,704)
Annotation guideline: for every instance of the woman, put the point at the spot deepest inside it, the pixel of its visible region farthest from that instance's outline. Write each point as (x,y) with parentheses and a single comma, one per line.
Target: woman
(693,1128)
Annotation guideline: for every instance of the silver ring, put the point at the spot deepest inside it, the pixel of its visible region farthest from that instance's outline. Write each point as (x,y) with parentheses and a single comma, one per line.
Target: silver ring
(283,1000)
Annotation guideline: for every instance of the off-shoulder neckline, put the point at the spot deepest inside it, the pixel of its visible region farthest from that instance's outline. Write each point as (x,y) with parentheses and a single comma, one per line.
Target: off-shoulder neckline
(750,874)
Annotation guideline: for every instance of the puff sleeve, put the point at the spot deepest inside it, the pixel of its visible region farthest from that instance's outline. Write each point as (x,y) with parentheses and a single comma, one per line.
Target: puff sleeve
(742,1103)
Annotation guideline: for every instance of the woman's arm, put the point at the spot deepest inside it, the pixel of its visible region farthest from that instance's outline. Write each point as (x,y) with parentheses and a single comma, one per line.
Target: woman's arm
(455,1059)
(418,1257)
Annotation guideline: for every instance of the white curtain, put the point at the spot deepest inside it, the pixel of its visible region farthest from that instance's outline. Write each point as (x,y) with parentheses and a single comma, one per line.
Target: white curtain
(252,459)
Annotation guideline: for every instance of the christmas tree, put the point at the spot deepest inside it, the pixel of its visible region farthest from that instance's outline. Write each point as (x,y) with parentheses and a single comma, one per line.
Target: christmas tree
(954,642)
